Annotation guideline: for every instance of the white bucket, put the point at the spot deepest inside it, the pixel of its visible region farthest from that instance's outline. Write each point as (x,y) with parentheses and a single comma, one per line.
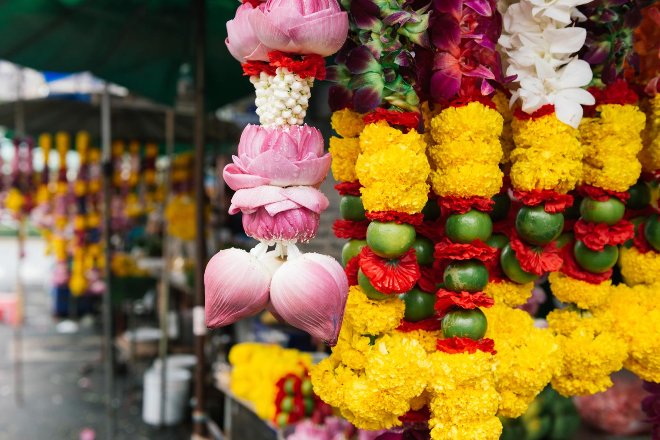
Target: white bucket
(178,362)
(176,396)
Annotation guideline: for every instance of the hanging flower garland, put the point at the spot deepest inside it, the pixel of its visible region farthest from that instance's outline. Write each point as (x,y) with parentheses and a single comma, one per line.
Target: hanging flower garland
(134,206)
(78,280)
(94,256)
(276,173)
(42,214)
(20,198)
(151,193)
(180,210)
(61,212)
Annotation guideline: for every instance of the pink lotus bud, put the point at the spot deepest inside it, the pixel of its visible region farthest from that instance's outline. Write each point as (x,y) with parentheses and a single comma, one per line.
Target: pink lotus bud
(241,40)
(309,292)
(236,285)
(279,156)
(273,214)
(301,26)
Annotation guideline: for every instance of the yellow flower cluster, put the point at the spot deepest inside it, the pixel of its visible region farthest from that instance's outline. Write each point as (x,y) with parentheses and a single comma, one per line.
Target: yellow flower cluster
(509,293)
(363,315)
(395,371)
(256,370)
(345,149)
(180,216)
(467,151)
(14,201)
(611,144)
(634,313)
(650,155)
(124,265)
(527,358)
(591,352)
(392,168)
(585,295)
(464,401)
(502,103)
(639,268)
(547,155)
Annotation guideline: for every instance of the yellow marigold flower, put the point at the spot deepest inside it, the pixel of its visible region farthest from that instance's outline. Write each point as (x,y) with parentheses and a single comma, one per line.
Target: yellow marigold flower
(639,268)
(344,155)
(347,123)
(612,142)
(634,314)
(388,196)
(591,353)
(428,339)
(467,151)
(352,347)
(584,295)
(378,135)
(650,155)
(392,163)
(547,155)
(509,293)
(14,200)
(370,317)
(527,358)
(490,428)
(506,139)
(466,180)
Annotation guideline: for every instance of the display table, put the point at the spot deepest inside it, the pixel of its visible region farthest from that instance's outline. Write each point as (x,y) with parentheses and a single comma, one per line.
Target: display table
(240,419)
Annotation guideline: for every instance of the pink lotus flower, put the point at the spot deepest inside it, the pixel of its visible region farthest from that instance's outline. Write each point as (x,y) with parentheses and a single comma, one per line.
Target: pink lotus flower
(301,26)
(309,292)
(242,41)
(236,286)
(274,214)
(278,156)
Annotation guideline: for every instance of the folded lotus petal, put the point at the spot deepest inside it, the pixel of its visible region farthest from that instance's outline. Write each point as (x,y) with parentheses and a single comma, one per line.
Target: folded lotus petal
(309,27)
(250,199)
(323,36)
(282,172)
(310,293)
(242,41)
(290,225)
(236,179)
(236,286)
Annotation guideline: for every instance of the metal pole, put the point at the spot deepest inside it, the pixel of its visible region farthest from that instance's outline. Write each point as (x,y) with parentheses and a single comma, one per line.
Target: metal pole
(165,275)
(107,232)
(199,328)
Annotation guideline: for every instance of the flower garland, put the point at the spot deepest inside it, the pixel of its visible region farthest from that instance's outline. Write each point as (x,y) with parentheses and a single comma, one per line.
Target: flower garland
(20,198)
(151,191)
(134,206)
(61,212)
(78,281)
(180,209)
(276,174)
(257,369)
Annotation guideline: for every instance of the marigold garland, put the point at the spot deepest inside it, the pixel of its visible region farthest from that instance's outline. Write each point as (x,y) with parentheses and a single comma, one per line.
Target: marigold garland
(509,293)
(639,268)
(585,295)
(371,317)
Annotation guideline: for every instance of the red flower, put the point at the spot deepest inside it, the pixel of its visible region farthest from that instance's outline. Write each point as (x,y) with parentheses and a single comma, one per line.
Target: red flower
(461,205)
(640,241)
(553,201)
(618,92)
(447,300)
(429,279)
(463,101)
(536,260)
(305,66)
(434,231)
(348,188)
(573,270)
(254,68)
(465,345)
(478,250)
(602,195)
(390,276)
(429,325)
(348,229)
(546,110)
(394,216)
(598,235)
(351,270)
(409,120)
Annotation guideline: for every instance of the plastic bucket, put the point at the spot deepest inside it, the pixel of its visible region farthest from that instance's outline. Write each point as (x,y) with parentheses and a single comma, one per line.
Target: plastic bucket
(178,362)
(177,387)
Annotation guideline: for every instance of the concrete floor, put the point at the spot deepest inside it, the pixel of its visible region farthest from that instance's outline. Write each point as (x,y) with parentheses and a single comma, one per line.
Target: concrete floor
(62,382)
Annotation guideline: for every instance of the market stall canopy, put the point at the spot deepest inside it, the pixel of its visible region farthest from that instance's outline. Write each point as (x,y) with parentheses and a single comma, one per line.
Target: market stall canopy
(130,120)
(142,45)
